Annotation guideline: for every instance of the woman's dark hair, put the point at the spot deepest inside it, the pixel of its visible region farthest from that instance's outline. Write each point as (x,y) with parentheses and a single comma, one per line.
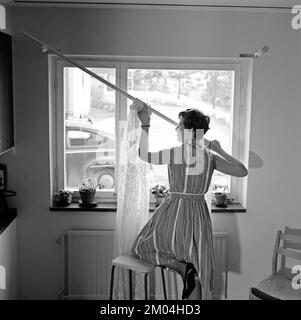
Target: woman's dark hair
(195,119)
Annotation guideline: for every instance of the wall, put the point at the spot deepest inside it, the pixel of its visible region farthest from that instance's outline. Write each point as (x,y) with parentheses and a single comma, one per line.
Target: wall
(274,146)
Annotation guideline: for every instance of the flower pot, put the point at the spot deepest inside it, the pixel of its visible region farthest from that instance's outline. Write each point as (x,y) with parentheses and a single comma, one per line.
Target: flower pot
(62,200)
(87,196)
(220,199)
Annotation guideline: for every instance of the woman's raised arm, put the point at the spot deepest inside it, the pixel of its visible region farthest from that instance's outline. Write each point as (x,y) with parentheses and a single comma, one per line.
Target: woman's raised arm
(160,157)
(225,163)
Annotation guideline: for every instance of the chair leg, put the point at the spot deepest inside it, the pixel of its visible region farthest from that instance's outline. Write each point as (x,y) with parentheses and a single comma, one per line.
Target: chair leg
(130,285)
(112,282)
(145,286)
(163,282)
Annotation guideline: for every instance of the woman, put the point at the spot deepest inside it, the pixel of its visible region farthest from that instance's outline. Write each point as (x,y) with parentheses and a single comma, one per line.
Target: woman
(179,234)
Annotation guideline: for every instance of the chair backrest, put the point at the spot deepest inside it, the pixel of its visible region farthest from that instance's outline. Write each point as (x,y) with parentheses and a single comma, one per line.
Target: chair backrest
(288,246)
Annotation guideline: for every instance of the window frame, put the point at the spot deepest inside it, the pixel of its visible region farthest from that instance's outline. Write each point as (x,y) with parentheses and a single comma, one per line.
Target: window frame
(240,116)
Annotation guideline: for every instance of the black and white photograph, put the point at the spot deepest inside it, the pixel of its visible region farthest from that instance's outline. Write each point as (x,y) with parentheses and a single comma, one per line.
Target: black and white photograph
(150,151)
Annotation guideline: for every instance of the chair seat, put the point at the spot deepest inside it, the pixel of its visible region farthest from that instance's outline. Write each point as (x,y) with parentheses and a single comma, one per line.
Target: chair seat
(133,262)
(278,287)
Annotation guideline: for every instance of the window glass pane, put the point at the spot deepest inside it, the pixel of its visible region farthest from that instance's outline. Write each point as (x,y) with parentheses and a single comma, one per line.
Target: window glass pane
(171,91)
(89,108)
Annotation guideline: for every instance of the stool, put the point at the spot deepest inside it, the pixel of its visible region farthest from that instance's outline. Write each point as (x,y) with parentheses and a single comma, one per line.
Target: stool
(132,262)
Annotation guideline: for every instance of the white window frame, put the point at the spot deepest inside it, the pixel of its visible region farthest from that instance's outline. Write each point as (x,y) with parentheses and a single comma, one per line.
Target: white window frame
(241,106)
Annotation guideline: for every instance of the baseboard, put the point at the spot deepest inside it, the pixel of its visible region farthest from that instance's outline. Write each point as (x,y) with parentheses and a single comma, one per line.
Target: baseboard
(173,297)
(218,297)
(83,297)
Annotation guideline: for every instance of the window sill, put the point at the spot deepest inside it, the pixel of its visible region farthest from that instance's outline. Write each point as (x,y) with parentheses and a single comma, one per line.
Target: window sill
(74,206)
(112,207)
(231,207)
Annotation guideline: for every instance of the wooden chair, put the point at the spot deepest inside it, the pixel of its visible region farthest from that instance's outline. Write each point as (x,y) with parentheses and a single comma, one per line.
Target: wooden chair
(132,262)
(278,286)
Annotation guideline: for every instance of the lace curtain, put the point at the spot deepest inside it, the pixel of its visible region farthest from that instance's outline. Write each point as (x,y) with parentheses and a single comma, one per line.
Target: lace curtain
(133,192)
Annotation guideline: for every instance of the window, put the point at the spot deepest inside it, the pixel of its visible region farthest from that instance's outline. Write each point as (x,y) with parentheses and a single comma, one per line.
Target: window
(87,113)
(172,91)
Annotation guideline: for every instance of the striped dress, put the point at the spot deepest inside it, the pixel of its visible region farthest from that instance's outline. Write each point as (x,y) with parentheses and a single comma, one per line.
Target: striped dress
(180,228)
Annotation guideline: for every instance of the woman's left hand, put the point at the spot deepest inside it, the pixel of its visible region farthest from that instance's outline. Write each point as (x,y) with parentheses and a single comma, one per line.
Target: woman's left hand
(216,146)
(207,143)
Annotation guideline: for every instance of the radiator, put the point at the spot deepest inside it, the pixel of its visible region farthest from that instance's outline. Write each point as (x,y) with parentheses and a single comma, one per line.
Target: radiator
(220,244)
(87,264)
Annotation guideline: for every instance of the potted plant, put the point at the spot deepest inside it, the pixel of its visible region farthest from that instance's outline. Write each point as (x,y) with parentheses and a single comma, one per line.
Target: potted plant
(160,193)
(63,198)
(220,194)
(87,191)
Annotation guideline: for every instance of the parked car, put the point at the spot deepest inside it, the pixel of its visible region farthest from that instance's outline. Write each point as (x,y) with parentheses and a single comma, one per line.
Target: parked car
(78,117)
(89,152)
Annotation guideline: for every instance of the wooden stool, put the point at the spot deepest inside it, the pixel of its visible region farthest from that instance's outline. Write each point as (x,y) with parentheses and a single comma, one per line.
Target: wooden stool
(132,262)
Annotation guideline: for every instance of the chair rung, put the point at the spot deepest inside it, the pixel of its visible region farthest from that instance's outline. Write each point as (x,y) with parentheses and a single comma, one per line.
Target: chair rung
(290,253)
(291,238)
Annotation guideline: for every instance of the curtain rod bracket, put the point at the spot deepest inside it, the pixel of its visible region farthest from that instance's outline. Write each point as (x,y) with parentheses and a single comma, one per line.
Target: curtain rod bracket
(255,54)
(44,49)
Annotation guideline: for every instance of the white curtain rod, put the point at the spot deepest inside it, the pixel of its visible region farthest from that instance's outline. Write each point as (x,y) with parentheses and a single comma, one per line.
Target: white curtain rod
(47,48)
